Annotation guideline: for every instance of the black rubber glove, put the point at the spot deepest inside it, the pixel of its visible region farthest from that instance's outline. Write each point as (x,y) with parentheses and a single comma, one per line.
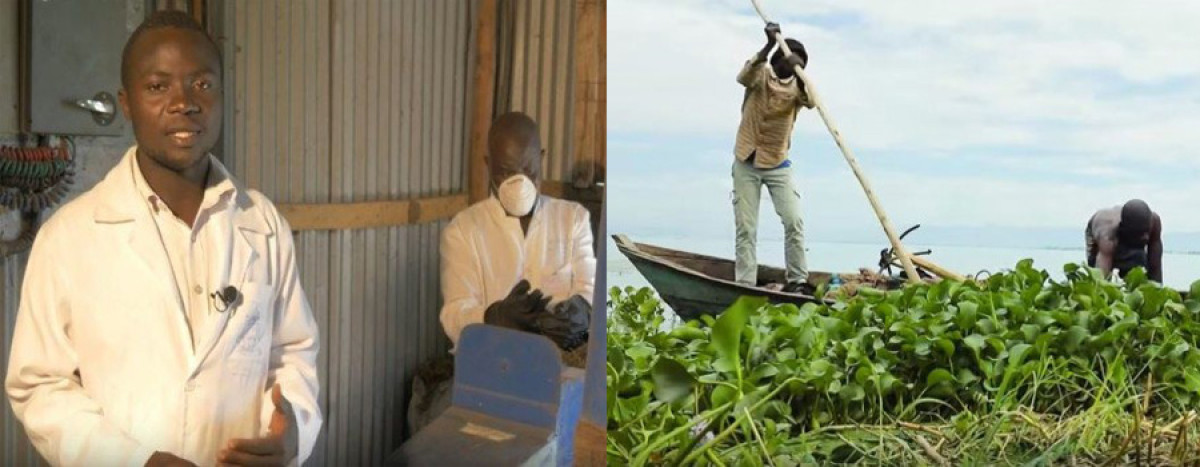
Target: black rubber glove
(519,310)
(566,323)
(771,30)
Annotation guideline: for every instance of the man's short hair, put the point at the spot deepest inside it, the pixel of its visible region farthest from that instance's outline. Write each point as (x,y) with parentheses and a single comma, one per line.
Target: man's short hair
(795,46)
(158,20)
(1136,217)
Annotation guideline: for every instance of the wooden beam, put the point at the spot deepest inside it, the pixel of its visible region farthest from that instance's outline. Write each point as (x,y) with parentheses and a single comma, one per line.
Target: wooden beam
(200,13)
(589,90)
(590,442)
(482,99)
(602,162)
(349,216)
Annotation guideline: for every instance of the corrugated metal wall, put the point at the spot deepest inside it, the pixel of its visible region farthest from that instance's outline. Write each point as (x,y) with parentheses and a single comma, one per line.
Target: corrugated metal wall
(352,100)
(536,74)
(8,67)
(14,445)
(355,101)
(95,157)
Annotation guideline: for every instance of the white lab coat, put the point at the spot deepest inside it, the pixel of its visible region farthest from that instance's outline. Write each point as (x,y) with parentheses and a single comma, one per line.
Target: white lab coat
(484,254)
(102,370)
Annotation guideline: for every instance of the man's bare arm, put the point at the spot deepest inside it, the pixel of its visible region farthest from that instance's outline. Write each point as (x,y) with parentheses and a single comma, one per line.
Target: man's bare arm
(1155,250)
(1104,257)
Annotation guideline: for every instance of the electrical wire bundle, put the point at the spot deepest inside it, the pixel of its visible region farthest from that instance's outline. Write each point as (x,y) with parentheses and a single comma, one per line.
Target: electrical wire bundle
(33,179)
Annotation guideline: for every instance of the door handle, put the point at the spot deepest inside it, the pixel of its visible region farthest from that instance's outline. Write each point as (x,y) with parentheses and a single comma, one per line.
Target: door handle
(102,106)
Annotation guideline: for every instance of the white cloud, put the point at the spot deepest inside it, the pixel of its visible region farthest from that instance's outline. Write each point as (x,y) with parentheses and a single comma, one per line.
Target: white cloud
(1016,113)
(928,75)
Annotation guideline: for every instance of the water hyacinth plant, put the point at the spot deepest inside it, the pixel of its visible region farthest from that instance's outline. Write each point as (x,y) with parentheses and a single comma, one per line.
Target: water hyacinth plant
(1015,369)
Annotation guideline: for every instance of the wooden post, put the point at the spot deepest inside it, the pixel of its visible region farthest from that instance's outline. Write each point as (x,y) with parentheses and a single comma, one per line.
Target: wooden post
(602,164)
(199,11)
(589,90)
(482,99)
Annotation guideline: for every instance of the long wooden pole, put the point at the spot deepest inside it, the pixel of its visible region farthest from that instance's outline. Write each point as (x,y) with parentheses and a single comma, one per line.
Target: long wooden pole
(901,252)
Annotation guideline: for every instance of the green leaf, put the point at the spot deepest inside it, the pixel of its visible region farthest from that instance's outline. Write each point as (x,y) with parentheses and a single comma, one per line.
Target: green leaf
(722,395)
(1016,355)
(762,372)
(688,333)
(1030,332)
(639,352)
(671,380)
(967,313)
(852,392)
(974,341)
(1074,337)
(1194,290)
(1191,379)
(939,376)
(1135,278)
(1179,350)
(727,331)
(818,369)
(945,345)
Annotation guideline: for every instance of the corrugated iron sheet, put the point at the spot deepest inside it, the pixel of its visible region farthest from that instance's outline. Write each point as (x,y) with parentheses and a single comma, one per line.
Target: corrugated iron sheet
(337,101)
(356,101)
(536,74)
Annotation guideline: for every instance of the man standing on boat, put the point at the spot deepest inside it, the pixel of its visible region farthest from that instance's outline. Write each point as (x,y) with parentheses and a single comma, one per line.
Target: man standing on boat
(774,95)
(1125,237)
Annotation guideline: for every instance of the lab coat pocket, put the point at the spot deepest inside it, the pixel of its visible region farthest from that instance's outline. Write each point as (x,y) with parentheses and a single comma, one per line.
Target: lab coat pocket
(250,332)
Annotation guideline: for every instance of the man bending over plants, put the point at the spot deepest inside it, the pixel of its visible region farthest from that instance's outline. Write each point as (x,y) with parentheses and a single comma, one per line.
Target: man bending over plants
(1125,237)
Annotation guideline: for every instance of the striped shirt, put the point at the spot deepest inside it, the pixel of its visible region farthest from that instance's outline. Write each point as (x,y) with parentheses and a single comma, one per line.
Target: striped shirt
(768,114)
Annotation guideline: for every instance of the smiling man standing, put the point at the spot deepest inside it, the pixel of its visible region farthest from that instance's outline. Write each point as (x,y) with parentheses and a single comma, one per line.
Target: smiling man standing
(162,320)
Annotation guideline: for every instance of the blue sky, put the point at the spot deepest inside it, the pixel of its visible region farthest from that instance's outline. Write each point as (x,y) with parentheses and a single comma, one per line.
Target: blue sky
(1015,115)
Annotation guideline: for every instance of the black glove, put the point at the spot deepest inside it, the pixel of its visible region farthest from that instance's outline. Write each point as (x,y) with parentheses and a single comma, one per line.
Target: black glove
(772,29)
(519,310)
(566,323)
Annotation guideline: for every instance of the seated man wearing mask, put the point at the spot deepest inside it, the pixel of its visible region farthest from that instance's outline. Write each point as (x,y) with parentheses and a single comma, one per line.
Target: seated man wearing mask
(1125,237)
(517,259)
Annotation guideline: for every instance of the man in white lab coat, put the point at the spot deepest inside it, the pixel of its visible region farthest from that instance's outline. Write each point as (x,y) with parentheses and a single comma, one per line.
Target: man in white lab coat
(162,320)
(517,259)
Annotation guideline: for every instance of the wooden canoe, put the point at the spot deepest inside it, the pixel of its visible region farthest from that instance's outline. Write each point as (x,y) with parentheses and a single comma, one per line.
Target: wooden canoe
(694,284)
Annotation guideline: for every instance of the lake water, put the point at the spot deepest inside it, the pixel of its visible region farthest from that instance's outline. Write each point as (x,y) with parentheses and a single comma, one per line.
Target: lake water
(1179,270)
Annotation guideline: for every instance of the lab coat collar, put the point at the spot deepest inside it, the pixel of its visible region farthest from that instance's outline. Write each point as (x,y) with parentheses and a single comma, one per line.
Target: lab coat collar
(501,217)
(118,205)
(118,191)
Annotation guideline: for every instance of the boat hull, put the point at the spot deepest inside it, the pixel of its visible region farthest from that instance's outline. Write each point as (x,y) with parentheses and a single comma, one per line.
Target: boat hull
(694,285)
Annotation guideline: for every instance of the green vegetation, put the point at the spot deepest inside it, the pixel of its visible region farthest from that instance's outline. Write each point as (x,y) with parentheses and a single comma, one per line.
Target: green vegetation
(1015,370)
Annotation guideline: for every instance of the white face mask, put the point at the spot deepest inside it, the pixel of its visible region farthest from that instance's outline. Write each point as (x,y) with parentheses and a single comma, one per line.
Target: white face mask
(517,194)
